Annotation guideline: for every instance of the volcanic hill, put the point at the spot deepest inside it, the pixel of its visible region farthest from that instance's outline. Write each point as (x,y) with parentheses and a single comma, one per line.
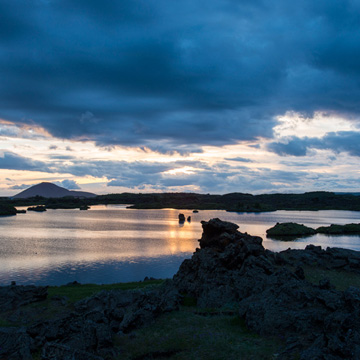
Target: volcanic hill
(49,190)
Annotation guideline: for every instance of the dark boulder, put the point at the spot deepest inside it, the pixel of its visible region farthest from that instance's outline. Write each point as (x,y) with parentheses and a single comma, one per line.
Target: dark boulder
(15,344)
(14,296)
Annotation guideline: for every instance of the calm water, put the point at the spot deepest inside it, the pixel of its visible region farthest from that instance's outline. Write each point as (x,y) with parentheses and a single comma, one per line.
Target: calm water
(110,244)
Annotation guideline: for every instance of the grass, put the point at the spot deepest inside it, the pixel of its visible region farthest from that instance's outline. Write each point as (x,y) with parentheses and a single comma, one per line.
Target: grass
(189,333)
(341,279)
(77,292)
(49,309)
(186,334)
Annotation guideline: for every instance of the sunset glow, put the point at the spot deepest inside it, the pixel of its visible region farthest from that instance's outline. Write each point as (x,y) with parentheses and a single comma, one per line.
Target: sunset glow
(179,98)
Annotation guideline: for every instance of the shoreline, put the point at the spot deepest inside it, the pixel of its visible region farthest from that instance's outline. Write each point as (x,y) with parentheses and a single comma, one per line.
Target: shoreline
(231,279)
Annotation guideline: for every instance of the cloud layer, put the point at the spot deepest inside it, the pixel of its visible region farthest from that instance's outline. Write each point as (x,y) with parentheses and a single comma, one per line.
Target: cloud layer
(142,72)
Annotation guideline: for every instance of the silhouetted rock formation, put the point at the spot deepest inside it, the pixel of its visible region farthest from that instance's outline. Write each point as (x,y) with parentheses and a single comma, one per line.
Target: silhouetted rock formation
(181,218)
(272,295)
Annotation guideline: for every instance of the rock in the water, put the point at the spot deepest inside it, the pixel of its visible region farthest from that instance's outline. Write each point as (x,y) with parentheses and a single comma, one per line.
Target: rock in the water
(181,218)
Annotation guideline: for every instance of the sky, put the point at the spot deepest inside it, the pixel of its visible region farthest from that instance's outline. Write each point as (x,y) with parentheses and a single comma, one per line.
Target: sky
(215,96)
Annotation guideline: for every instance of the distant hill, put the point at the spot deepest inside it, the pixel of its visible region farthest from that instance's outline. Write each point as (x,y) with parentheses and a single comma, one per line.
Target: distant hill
(49,190)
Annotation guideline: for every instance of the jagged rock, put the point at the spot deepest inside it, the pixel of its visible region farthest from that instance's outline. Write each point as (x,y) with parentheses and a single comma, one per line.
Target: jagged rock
(54,351)
(90,328)
(13,296)
(15,344)
(231,267)
(331,258)
(181,218)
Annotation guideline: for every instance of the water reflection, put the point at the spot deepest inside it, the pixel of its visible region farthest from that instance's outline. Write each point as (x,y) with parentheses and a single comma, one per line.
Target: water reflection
(111,243)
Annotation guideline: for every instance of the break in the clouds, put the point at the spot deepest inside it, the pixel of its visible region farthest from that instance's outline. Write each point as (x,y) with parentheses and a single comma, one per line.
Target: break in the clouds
(137,72)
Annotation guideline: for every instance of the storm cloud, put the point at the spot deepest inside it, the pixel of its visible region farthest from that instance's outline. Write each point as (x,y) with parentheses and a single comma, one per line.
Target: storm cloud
(342,141)
(164,74)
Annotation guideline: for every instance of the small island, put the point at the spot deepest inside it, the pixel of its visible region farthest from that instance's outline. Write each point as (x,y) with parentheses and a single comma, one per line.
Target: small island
(39,208)
(289,229)
(292,231)
(7,210)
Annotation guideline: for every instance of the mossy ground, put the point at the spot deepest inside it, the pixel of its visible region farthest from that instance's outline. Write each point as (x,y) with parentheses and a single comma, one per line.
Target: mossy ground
(340,279)
(189,333)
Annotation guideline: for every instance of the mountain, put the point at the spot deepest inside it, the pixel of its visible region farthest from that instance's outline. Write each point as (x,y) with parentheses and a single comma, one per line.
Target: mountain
(49,190)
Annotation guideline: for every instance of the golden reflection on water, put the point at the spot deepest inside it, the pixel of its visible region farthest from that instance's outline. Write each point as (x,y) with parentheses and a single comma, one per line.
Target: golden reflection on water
(34,243)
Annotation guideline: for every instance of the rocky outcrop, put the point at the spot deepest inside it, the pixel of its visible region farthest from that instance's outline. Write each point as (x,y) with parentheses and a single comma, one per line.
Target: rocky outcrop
(330,258)
(272,295)
(13,296)
(88,331)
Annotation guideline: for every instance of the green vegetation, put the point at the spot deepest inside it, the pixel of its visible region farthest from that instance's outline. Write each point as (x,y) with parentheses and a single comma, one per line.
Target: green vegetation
(189,334)
(341,279)
(184,334)
(75,292)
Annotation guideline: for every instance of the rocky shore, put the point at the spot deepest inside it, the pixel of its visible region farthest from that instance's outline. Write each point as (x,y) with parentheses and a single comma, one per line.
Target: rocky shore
(268,290)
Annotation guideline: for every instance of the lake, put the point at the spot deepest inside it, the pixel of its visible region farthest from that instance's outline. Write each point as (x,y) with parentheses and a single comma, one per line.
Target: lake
(109,244)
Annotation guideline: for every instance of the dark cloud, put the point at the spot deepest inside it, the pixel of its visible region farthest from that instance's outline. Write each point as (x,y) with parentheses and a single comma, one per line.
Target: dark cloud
(240,159)
(342,141)
(12,161)
(19,187)
(140,72)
